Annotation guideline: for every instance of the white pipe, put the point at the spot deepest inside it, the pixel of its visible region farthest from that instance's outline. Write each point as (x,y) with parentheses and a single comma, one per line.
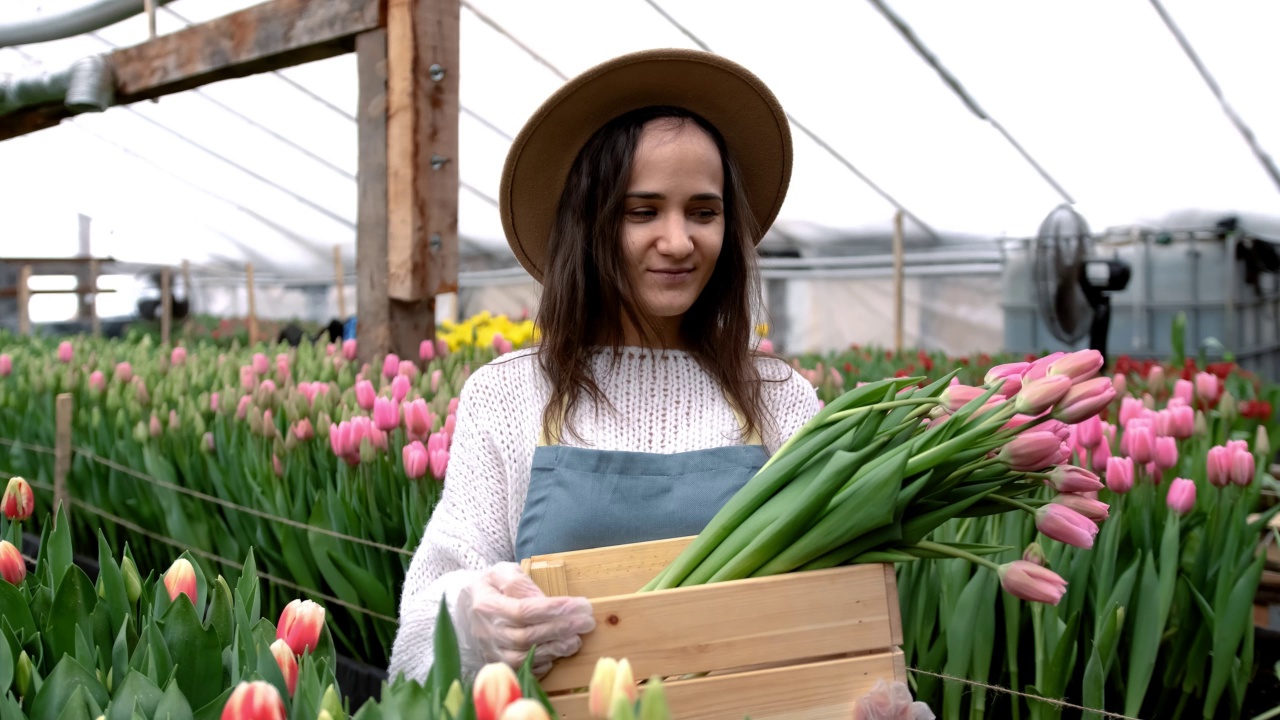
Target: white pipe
(88,85)
(66,23)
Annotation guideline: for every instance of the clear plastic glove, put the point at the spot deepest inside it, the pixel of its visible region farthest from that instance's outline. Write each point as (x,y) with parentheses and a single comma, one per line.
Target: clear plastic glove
(504,613)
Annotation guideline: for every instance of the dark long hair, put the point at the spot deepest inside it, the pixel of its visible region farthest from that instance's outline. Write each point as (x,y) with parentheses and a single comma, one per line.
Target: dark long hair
(586,288)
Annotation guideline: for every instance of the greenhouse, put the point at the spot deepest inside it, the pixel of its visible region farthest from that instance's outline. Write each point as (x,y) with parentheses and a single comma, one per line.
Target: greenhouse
(641,359)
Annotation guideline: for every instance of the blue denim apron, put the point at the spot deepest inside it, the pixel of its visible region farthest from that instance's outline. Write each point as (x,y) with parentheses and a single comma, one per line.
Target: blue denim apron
(581,498)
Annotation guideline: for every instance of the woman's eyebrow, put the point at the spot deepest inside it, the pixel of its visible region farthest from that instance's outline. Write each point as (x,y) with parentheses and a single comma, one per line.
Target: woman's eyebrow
(647,195)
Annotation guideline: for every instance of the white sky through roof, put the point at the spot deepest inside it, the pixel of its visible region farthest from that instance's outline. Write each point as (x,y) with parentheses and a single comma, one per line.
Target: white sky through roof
(1098,92)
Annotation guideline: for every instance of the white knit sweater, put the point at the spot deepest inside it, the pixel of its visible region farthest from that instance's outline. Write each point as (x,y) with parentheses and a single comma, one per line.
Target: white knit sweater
(664,403)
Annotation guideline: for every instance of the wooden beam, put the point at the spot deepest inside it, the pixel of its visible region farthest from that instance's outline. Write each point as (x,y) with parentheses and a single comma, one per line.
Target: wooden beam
(422,147)
(80,290)
(258,39)
(166,305)
(24,300)
(252,320)
(373,329)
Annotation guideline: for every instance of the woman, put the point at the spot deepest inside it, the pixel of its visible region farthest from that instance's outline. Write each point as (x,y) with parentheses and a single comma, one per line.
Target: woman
(635,195)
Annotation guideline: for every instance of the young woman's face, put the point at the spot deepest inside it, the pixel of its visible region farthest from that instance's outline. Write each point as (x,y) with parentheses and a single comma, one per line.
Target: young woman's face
(673,225)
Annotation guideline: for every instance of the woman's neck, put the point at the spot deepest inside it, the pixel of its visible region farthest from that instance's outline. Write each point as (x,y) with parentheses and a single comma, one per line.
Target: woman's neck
(667,335)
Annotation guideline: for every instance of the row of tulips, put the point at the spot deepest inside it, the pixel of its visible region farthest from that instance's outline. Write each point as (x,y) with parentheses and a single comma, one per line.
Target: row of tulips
(306,434)
(1157,621)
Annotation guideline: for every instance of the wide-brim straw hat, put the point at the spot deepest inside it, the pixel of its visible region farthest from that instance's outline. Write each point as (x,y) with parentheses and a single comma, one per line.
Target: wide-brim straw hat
(726,94)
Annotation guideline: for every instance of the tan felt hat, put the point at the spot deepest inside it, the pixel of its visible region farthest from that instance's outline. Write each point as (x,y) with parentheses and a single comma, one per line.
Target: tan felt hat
(726,94)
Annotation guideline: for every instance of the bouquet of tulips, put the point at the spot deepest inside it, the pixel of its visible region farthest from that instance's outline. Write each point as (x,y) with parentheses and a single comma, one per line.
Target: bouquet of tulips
(180,645)
(883,465)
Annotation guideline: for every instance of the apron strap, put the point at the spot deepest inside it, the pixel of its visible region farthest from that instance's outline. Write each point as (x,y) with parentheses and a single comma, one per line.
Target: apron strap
(551,436)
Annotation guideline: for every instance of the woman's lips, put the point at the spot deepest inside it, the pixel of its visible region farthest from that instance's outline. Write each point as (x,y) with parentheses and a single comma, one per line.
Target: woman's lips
(673,276)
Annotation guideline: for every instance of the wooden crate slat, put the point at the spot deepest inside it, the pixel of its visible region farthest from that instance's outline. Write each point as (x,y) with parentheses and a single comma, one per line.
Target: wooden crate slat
(614,570)
(816,691)
(792,617)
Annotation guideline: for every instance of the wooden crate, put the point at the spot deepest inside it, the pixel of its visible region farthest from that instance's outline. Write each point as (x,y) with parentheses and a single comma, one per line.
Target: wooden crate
(802,645)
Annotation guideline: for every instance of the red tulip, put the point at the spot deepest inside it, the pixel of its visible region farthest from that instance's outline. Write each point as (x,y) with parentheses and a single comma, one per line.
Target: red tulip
(181,580)
(1032,582)
(255,700)
(288,663)
(300,625)
(495,688)
(13,568)
(18,501)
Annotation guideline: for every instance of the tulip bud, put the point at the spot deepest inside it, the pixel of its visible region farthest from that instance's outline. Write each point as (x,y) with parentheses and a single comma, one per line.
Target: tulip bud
(653,703)
(260,364)
(181,580)
(1066,525)
(1262,442)
(1072,479)
(1182,496)
(22,673)
(6,365)
(439,463)
(1079,366)
(600,692)
(1034,554)
(1004,371)
(1228,408)
(1207,388)
(288,663)
(1040,368)
(496,687)
(174,424)
(140,392)
(303,430)
(1242,468)
(18,501)
(1120,475)
(1183,391)
(300,625)
(390,365)
(525,709)
(426,351)
(1094,509)
(415,459)
(1032,582)
(957,396)
(624,684)
(1084,400)
(65,352)
(13,568)
(365,395)
(140,433)
(1141,443)
(1030,451)
(1166,453)
(97,381)
(132,580)
(255,700)
(442,348)
(1089,432)
(622,710)
(1038,396)
(1101,455)
(332,703)
(155,427)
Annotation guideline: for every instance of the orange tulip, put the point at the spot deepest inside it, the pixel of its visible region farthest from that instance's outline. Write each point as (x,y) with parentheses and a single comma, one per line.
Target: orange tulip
(181,579)
(12,567)
(254,701)
(288,663)
(300,625)
(18,501)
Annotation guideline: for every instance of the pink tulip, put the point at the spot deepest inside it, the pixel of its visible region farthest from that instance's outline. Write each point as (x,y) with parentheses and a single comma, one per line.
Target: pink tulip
(426,351)
(438,441)
(1166,453)
(1120,475)
(1037,396)
(13,568)
(765,346)
(330,349)
(417,419)
(214,397)
(407,369)
(415,460)
(1072,479)
(1089,432)
(1182,496)
(1006,371)
(173,420)
(181,580)
(1120,383)
(340,439)
(65,352)
(349,349)
(361,430)
(442,348)
(208,441)
(248,379)
(450,423)
(282,368)
(1100,456)
(1084,400)
(97,381)
(501,344)
(439,463)
(1131,408)
(1141,443)
(495,687)
(288,663)
(1091,508)
(1040,368)
(303,430)
(365,395)
(1183,391)
(386,414)
(400,388)
(124,372)
(255,700)
(260,364)
(267,387)
(1155,379)
(1032,582)
(18,501)
(377,437)
(435,381)
(957,396)
(1030,451)
(276,466)
(1061,429)
(1208,389)
(1079,366)
(1242,468)
(154,426)
(453,406)
(390,365)
(1066,525)
(242,408)
(300,625)
(6,365)
(1182,423)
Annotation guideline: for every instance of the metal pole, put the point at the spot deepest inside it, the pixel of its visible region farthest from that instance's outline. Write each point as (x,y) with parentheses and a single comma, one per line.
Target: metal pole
(898,320)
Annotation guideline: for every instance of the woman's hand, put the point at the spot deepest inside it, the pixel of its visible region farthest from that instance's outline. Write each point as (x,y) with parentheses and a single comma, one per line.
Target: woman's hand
(505,613)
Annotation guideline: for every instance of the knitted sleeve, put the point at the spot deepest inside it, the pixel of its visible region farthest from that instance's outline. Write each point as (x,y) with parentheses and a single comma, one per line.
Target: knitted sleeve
(467,534)
(790,400)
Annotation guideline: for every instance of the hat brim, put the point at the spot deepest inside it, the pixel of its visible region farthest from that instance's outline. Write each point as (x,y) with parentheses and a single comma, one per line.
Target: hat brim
(728,96)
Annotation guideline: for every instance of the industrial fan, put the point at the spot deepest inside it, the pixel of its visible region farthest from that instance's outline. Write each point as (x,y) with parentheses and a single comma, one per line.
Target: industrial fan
(1073,287)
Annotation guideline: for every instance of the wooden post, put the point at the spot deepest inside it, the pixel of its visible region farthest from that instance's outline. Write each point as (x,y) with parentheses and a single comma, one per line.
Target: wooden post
(186,288)
(253,312)
(166,305)
(62,451)
(898,282)
(339,280)
(93,304)
(24,300)
(373,312)
(83,279)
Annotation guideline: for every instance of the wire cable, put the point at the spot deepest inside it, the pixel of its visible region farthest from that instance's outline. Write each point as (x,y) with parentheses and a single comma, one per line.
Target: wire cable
(515,40)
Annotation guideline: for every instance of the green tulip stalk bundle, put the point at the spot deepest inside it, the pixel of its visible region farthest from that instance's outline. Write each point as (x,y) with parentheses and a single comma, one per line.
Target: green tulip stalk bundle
(180,644)
(882,466)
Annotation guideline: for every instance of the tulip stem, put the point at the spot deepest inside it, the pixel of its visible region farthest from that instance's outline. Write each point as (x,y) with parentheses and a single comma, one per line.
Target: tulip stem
(957,553)
(1013,503)
(836,417)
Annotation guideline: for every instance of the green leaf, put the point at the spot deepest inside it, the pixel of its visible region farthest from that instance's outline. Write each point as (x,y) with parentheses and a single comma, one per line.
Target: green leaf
(60,551)
(160,661)
(196,652)
(448,660)
(1145,643)
(13,608)
(269,669)
(72,607)
(77,707)
(213,711)
(372,589)
(221,618)
(248,590)
(115,600)
(57,690)
(960,641)
(173,706)
(136,691)
(1169,557)
(120,651)
(529,685)
(7,661)
(1234,619)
